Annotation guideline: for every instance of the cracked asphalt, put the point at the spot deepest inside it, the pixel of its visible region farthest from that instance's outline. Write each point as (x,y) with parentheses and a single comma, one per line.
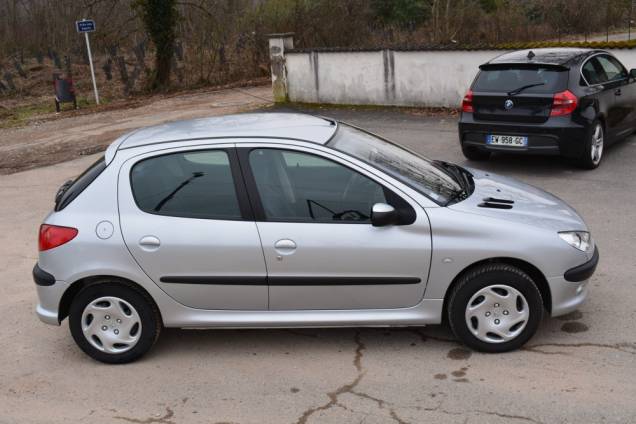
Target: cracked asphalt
(580,368)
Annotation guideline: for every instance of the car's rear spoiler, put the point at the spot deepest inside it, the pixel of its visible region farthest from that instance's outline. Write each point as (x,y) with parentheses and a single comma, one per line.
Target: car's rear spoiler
(522,65)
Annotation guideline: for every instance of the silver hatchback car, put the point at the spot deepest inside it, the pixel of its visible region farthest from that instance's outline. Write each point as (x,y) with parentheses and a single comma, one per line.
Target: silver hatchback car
(288,220)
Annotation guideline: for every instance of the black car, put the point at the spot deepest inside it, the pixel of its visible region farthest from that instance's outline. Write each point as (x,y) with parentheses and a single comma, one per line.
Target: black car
(566,101)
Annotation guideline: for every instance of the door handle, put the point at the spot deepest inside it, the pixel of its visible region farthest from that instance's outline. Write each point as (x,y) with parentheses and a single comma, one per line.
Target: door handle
(150,242)
(285,246)
(618,92)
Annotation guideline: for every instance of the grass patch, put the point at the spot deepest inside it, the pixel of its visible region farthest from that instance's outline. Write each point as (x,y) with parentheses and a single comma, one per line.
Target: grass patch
(22,115)
(18,116)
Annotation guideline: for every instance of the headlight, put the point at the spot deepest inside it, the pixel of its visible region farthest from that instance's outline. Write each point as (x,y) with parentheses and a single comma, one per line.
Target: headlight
(578,239)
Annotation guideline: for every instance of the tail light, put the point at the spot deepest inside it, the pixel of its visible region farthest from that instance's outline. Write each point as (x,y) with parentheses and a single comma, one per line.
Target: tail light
(53,236)
(467,102)
(563,103)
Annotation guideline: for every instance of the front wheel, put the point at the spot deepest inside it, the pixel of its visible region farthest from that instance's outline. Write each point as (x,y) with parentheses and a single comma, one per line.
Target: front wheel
(114,323)
(495,308)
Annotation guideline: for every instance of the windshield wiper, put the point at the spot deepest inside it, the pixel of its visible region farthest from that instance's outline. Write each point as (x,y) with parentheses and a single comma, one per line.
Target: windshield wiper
(176,190)
(457,196)
(525,87)
(459,174)
(463,178)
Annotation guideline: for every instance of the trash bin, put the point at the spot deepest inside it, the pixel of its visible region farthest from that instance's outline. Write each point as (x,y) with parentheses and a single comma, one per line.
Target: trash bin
(64,91)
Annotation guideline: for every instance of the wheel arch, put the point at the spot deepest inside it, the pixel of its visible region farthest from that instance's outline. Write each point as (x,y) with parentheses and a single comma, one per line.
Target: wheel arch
(602,120)
(76,287)
(533,272)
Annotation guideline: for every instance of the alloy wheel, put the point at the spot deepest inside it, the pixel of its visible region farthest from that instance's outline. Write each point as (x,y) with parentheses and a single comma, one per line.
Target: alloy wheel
(596,151)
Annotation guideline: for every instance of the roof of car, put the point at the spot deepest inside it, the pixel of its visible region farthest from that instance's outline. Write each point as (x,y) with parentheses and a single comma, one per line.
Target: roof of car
(548,56)
(239,127)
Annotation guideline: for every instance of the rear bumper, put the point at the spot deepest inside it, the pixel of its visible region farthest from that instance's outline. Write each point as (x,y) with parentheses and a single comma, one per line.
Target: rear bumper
(50,293)
(556,136)
(41,277)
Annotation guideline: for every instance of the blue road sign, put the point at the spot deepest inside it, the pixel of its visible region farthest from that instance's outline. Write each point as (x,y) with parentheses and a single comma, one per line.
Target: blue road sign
(85,26)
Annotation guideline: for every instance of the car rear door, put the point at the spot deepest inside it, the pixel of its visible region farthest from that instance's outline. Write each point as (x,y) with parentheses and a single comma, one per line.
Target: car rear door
(595,77)
(624,90)
(186,220)
(321,251)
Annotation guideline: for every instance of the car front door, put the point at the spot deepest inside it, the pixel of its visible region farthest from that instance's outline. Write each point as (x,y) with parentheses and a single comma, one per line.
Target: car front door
(321,250)
(186,220)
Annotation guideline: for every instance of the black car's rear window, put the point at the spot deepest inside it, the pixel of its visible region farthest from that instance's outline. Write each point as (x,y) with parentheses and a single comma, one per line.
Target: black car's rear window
(79,184)
(509,78)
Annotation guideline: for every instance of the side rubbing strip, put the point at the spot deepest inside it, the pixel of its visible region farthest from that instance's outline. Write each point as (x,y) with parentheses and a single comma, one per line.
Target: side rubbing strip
(341,281)
(288,280)
(224,280)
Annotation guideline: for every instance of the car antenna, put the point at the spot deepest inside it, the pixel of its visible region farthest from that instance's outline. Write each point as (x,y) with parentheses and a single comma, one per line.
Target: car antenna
(530,55)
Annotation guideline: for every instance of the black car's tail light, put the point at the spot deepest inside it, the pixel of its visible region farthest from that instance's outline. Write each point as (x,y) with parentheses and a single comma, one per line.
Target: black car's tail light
(467,102)
(564,103)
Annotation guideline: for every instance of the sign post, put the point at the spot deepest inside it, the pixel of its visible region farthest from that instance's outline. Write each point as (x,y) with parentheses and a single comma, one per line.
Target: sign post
(86,26)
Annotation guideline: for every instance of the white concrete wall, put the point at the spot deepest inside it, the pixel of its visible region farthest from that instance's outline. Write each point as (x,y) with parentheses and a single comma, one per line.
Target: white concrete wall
(398,78)
(628,57)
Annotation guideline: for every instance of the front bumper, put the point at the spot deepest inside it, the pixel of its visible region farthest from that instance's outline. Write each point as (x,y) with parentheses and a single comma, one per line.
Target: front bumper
(585,271)
(556,136)
(571,290)
(566,296)
(50,292)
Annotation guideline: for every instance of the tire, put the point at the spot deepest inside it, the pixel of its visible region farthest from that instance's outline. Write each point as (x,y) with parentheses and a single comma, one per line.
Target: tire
(593,151)
(465,309)
(110,311)
(474,153)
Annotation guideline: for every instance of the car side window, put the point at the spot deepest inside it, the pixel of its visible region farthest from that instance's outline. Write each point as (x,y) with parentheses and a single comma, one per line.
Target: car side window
(592,72)
(612,68)
(297,186)
(195,184)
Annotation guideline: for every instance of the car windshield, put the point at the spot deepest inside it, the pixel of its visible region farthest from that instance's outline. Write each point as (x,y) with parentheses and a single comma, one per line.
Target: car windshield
(510,78)
(419,173)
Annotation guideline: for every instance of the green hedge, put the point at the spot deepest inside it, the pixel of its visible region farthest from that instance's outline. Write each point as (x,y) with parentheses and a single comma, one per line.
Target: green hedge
(623,44)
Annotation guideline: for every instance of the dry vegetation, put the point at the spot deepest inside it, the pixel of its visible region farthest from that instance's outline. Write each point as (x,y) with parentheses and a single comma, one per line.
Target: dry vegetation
(224,41)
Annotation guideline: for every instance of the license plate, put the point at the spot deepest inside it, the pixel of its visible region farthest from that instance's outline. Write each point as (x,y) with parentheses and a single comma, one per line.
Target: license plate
(507,140)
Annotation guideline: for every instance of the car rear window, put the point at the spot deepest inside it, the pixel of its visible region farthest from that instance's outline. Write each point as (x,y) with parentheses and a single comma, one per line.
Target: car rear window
(509,78)
(63,198)
(197,184)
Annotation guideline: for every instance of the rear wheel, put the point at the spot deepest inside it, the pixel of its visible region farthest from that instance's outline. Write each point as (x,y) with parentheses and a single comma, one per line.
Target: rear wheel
(594,145)
(113,323)
(495,308)
(474,153)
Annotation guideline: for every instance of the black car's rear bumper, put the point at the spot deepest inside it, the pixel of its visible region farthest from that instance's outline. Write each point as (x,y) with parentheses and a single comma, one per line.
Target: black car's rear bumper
(556,136)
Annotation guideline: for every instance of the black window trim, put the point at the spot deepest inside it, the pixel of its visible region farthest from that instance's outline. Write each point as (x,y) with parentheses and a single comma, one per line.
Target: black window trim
(245,208)
(259,211)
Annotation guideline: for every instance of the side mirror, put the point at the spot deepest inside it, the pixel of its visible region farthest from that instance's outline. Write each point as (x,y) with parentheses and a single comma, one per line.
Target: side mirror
(632,73)
(383,215)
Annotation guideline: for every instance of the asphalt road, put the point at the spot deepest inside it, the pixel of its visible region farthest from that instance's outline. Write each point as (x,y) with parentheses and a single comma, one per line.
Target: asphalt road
(579,369)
